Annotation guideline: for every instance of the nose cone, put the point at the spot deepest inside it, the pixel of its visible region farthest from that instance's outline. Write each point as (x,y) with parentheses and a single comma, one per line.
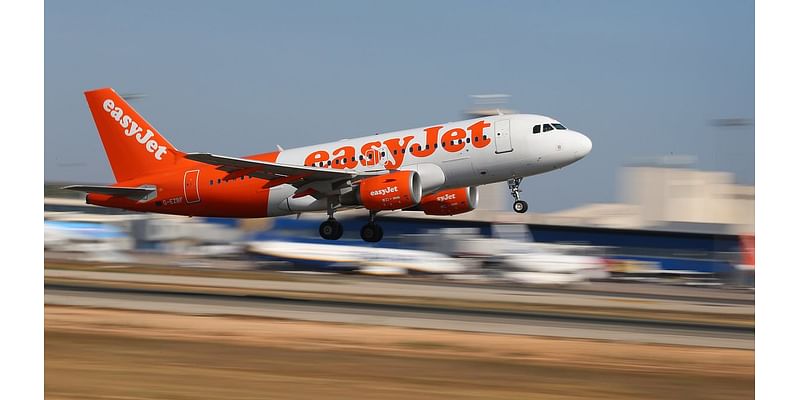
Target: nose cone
(582,145)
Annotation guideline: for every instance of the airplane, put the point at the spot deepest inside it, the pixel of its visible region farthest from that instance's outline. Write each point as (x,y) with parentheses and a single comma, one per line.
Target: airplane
(366,260)
(434,169)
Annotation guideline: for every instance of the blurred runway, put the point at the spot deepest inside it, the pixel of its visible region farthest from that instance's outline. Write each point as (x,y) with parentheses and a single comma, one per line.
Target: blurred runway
(405,315)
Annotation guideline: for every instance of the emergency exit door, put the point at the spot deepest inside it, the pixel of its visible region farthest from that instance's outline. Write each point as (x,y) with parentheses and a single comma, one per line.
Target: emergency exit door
(191,190)
(502,136)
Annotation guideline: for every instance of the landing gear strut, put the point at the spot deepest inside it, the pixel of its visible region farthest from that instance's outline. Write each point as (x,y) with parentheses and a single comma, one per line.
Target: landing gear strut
(372,232)
(520,206)
(331,229)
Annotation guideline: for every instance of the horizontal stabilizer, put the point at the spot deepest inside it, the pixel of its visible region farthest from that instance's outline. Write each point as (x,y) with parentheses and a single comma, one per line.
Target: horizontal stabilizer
(132,192)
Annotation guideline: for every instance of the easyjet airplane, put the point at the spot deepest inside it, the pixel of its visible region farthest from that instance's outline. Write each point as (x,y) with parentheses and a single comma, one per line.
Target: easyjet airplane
(434,170)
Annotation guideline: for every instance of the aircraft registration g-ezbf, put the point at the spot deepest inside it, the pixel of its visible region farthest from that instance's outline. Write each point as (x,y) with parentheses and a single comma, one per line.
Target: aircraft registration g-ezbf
(435,170)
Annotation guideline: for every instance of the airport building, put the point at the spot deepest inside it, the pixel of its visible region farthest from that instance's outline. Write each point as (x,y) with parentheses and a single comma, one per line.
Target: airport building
(670,197)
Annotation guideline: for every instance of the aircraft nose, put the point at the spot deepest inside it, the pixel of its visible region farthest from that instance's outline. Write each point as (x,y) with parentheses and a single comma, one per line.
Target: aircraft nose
(582,145)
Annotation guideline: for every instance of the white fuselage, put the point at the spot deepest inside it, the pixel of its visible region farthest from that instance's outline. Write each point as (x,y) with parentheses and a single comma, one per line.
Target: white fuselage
(446,156)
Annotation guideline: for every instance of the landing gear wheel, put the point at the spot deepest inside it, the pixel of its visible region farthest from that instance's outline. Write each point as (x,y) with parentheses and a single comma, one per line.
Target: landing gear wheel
(371,232)
(331,229)
(520,206)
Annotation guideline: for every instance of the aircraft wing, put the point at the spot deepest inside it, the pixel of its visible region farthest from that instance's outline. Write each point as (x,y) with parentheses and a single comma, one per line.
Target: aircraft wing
(299,176)
(132,192)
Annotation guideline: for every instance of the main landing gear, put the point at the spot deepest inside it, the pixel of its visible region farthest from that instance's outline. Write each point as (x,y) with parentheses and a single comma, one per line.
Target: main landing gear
(520,206)
(333,229)
(371,232)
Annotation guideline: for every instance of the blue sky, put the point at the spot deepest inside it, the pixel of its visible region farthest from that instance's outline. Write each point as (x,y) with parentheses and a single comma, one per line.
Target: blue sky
(641,78)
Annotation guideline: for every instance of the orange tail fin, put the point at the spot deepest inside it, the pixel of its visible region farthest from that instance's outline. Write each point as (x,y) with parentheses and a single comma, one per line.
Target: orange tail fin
(134,148)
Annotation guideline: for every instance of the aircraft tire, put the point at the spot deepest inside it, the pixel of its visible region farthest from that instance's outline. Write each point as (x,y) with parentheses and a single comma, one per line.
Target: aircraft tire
(331,229)
(520,206)
(372,233)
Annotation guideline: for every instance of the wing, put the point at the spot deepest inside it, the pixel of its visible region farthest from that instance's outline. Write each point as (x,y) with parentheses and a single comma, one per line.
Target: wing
(132,192)
(317,181)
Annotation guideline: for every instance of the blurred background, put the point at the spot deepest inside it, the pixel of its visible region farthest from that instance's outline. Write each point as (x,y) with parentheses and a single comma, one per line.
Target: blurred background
(661,211)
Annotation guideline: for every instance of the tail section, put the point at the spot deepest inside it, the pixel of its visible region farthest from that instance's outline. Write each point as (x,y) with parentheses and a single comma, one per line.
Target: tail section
(133,146)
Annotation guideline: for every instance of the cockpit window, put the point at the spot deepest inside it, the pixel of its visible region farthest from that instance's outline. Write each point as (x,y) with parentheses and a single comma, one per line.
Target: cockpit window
(537,129)
(547,128)
(559,126)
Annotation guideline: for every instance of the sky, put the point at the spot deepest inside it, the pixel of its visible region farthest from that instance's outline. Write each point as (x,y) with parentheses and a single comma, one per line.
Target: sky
(642,79)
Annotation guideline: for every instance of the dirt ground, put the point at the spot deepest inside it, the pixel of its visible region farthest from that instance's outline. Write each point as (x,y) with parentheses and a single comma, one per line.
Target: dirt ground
(111,354)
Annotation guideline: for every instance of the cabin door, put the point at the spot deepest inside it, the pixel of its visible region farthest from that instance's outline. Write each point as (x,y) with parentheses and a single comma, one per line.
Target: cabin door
(502,136)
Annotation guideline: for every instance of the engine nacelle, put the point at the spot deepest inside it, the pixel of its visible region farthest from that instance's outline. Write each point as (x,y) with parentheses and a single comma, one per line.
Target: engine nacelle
(400,189)
(450,202)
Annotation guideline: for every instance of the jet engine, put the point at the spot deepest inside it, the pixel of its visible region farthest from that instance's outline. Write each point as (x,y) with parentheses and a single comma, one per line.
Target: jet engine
(396,190)
(449,202)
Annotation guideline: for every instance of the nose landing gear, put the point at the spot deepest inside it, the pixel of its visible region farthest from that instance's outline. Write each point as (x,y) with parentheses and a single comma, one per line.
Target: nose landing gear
(520,206)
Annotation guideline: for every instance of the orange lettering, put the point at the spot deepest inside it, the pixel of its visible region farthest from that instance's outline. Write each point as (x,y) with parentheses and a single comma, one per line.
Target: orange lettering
(397,151)
(431,137)
(314,158)
(345,158)
(455,139)
(476,132)
(371,153)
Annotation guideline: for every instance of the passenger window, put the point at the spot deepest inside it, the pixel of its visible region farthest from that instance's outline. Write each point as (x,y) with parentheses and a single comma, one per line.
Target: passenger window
(547,128)
(537,129)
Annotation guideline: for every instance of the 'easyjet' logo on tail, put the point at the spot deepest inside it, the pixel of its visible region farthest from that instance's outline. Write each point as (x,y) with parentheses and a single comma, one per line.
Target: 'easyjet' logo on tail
(132,128)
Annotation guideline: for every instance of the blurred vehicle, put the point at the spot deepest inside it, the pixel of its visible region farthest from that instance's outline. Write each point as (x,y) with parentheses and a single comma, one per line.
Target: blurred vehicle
(537,265)
(435,169)
(356,258)
(93,241)
(511,254)
(648,271)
